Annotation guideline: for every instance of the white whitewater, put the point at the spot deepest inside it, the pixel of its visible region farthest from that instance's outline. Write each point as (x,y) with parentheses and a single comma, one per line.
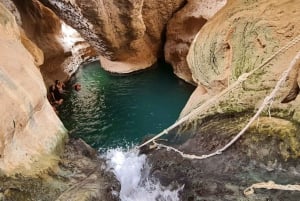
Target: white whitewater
(132,171)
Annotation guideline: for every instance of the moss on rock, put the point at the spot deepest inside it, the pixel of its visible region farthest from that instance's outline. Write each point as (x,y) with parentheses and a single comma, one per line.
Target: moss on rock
(79,176)
(280,130)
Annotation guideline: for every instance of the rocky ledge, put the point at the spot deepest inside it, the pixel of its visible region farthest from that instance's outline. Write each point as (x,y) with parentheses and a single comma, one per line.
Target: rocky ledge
(80,176)
(264,153)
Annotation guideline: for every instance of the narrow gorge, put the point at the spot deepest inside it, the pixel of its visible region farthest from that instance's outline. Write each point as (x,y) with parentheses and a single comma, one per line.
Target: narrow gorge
(233,60)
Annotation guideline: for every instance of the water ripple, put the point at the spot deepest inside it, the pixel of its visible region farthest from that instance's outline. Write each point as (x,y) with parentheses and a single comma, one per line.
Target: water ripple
(110,109)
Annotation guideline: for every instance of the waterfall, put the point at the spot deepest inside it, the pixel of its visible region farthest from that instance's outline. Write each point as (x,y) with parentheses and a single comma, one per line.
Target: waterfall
(132,171)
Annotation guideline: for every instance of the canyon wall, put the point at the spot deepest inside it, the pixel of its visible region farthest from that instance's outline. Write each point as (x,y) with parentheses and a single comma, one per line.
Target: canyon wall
(237,40)
(127,34)
(220,151)
(182,29)
(31,134)
(36,160)
(44,28)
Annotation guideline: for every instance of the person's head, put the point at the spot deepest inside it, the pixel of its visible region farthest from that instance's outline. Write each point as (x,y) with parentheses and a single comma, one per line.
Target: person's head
(77,87)
(56,82)
(51,88)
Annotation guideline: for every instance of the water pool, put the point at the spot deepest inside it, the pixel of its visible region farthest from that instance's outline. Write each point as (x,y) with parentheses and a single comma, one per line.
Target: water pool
(112,111)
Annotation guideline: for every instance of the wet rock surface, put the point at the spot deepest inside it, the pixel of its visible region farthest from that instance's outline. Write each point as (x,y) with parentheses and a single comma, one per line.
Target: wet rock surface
(262,154)
(80,175)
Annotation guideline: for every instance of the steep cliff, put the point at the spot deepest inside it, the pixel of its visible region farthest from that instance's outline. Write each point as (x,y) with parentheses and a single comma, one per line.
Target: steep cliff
(182,29)
(225,49)
(127,34)
(31,135)
(36,160)
(240,43)
(44,28)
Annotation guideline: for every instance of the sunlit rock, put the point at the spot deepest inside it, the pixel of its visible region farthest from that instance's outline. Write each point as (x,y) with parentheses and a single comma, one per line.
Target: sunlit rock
(61,56)
(238,39)
(128,35)
(182,29)
(31,135)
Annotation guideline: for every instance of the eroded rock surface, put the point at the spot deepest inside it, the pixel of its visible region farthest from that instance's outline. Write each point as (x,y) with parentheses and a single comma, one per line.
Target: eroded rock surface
(182,29)
(263,154)
(127,34)
(80,176)
(35,162)
(31,135)
(44,29)
(238,39)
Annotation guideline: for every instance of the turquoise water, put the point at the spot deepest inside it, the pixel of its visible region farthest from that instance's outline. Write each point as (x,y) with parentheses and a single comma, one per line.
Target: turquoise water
(112,111)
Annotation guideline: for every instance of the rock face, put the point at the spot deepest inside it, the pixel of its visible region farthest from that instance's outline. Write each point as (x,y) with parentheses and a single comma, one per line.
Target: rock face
(269,150)
(31,135)
(225,49)
(80,176)
(258,156)
(241,37)
(44,28)
(77,49)
(182,29)
(127,34)
(36,163)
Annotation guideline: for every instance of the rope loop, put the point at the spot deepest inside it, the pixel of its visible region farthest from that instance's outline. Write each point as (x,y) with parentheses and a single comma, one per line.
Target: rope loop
(218,152)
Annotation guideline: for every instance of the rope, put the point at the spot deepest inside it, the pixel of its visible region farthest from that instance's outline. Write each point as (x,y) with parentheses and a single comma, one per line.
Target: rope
(215,98)
(271,185)
(268,100)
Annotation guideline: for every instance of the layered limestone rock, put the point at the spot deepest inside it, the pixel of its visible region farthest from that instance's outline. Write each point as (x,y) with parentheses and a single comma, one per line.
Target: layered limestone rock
(182,29)
(78,49)
(44,28)
(238,39)
(31,134)
(127,34)
(36,162)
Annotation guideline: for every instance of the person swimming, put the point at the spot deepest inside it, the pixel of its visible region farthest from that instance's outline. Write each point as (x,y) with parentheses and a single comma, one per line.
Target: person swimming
(77,87)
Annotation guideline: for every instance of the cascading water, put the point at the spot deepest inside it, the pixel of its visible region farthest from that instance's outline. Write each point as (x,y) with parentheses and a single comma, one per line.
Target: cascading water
(132,171)
(110,110)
